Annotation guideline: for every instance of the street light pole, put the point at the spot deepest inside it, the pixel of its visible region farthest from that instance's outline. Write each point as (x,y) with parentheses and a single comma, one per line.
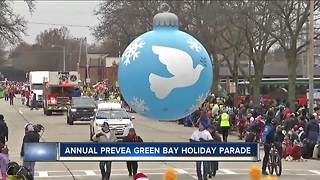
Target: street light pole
(311,56)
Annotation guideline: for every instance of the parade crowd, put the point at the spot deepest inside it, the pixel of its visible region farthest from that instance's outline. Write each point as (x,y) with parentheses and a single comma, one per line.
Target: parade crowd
(298,129)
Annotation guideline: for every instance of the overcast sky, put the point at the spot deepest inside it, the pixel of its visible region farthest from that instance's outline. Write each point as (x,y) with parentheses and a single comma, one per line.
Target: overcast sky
(59,12)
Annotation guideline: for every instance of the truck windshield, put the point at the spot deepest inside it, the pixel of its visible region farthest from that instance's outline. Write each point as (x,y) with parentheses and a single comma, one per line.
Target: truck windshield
(61,91)
(37,86)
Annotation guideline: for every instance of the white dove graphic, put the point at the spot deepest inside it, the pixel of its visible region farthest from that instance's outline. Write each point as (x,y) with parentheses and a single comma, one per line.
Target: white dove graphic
(180,65)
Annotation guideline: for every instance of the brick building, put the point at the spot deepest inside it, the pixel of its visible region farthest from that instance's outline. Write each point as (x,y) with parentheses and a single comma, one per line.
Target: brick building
(100,68)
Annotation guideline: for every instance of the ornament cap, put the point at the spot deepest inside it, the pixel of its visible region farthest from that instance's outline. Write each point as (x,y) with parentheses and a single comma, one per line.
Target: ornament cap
(165,19)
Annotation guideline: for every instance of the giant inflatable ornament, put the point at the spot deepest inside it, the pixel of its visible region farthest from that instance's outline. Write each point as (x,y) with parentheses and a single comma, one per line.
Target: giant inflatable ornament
(165,74)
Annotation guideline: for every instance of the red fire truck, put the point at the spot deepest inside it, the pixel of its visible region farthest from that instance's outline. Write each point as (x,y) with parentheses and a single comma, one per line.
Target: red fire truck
(57,91)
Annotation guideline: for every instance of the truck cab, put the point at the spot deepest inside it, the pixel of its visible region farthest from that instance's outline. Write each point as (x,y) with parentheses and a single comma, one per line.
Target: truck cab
(58,90)
(36,84)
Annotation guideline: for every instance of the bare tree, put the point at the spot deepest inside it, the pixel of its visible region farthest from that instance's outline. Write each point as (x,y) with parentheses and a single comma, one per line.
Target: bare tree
(208,24)
(12,26)
(259,42)
(53,37)
(123,21)
(290,18)
(234,40)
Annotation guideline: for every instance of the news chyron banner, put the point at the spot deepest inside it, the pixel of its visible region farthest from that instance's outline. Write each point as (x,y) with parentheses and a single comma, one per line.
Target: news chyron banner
(193,151)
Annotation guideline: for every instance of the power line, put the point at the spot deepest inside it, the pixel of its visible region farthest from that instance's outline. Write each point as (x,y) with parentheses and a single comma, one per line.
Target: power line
(53,24)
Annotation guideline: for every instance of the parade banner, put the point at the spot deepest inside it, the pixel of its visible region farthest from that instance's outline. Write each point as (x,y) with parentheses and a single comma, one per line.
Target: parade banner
(194,151)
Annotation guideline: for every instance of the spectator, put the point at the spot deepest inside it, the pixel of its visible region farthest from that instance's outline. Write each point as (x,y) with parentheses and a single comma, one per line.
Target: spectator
(296,151)
(312,133)
(4,161)
(31,136)
(289,123)
(3,130)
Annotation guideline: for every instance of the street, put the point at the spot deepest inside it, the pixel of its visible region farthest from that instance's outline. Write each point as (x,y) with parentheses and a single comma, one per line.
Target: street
(56,129)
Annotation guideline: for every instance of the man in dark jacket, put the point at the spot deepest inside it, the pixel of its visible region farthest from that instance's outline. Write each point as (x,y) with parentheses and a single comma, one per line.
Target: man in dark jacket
(3,130)
(213,166)
(312,129)
(311,133)
(134,138)
(31,136)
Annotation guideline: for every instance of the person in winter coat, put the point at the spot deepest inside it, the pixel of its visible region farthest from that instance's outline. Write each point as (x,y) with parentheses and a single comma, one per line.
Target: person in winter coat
(289,123)
(11,97)
(34,103)
(4,160)
(213,165)
(132,165)
(105,135)
(3,130)
(31,136)
(202,135)
(311,133)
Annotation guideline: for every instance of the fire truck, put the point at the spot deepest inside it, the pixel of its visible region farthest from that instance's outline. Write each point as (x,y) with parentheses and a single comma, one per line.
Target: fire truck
(57,91)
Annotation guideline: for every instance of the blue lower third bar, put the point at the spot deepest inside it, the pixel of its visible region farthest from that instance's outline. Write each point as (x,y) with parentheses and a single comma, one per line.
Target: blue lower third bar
(40,151)
(204,151)
(194,151)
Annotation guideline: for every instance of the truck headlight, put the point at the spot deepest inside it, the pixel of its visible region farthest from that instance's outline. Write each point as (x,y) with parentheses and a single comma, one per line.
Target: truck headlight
(73,110)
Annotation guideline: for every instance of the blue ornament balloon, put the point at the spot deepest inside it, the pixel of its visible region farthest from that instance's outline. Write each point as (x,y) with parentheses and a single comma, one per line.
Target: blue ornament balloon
(165,74)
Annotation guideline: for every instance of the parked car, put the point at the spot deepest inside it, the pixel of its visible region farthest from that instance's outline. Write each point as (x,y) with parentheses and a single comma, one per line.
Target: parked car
(119,120)
(81,109)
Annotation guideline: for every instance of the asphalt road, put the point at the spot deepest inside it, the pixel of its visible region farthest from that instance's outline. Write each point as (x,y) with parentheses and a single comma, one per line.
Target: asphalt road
(151,131)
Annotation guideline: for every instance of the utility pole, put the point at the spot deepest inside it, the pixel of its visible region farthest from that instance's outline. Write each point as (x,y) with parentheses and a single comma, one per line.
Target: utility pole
(79,58)
(311,56)
(87,65)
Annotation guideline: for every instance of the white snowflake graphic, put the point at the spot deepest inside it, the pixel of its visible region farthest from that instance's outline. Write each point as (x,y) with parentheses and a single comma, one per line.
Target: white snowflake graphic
(193,44)
(132,52)
(201,98)
(139,105)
